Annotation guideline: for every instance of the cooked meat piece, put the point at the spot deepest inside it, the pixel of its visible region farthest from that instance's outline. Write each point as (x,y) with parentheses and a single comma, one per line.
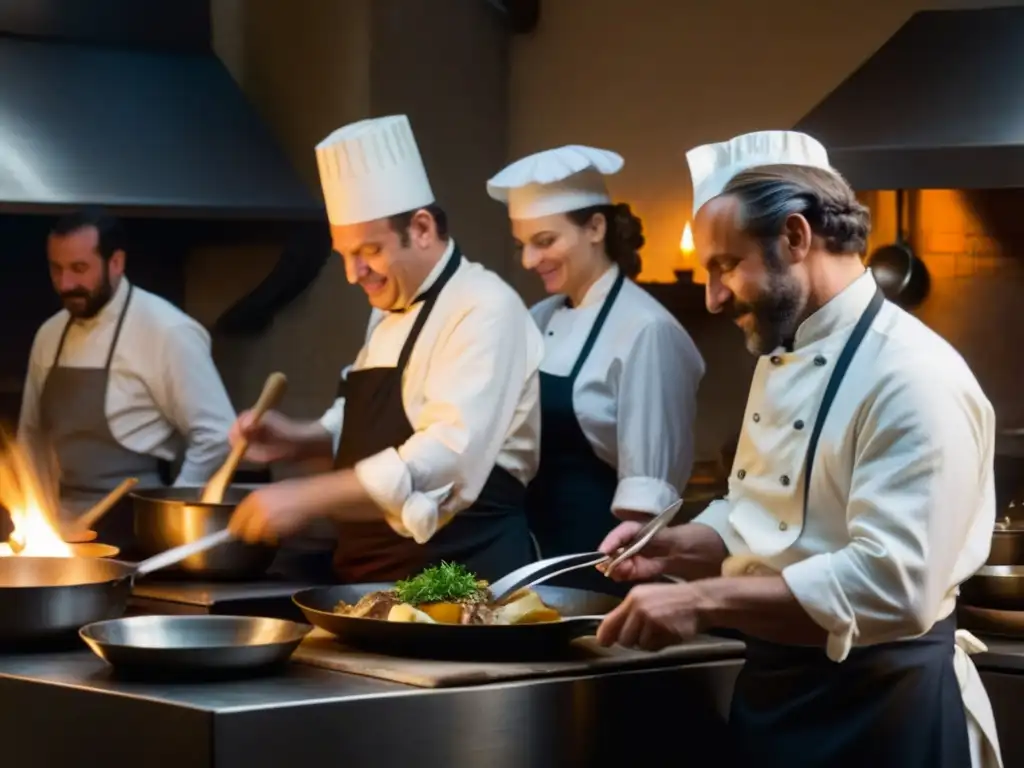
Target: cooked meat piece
(476,613)
(375,605)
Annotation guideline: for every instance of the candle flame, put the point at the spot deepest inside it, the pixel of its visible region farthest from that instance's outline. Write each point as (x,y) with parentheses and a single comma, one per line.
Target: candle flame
(686,241)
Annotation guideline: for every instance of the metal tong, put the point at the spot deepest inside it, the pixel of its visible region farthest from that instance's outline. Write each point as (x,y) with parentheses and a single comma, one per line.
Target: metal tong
(545,570)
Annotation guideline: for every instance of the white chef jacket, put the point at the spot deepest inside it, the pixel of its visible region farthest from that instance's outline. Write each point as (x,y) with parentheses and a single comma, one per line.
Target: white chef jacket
(165,394)
(470,391)
(635,397)
(902,500)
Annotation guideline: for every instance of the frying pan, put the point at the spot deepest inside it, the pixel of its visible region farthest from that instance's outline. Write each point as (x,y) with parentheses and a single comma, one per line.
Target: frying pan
(583,612)
(48,598)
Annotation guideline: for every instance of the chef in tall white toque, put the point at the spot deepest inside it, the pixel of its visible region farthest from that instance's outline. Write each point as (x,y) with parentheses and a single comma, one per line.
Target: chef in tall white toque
(435,430)
(118,380)
(620,374)
(860,498)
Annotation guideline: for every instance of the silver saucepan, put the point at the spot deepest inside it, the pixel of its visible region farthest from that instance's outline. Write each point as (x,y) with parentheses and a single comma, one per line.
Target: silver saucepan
(170,517)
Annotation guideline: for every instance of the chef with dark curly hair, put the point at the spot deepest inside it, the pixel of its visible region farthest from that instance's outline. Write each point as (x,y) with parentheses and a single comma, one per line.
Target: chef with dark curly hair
(619,376)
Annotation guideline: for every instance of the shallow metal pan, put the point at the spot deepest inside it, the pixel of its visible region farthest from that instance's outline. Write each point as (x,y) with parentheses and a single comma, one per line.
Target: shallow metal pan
(582,612)
(194,645)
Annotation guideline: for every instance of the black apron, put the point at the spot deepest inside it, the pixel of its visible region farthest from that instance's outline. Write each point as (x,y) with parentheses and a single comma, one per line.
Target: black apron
(569,501)
(92,462)
(490,537)
(893,705)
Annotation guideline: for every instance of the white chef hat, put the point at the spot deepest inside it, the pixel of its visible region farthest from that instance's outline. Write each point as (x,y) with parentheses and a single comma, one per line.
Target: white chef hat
(713,166)
(371,170)
(555,181)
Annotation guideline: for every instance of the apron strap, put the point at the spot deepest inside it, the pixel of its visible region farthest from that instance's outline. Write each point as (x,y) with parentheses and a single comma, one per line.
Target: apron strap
(588,345)
(842,365)
(429,298)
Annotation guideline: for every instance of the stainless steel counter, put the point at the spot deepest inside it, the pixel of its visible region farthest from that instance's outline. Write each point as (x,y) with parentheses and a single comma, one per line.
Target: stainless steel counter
(58,707)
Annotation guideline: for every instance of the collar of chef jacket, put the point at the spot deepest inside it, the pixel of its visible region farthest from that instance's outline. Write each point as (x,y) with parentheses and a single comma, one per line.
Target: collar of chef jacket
(766,493)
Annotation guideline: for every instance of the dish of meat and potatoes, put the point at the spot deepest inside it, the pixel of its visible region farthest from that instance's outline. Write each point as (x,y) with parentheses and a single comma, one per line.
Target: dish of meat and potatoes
(449,594)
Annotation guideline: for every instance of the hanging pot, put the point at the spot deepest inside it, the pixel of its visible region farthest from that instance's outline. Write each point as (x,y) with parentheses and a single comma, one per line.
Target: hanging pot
(901,275)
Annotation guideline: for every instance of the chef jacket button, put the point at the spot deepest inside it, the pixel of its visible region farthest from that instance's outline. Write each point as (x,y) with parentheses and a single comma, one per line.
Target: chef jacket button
(776,360)
(741,474)
(798,424)
(784,479)
(783,526)
(551,333)
(819,360)
(756,417)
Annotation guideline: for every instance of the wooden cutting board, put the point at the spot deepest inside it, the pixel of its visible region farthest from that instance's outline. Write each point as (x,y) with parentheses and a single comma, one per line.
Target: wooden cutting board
(320,649)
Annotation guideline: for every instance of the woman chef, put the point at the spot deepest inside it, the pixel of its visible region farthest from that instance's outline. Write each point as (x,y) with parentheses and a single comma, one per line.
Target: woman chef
(619,376)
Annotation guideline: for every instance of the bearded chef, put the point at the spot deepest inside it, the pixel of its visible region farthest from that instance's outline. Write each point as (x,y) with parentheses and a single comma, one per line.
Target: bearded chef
(118,380)
(620,374)
(861,494)
(434,434)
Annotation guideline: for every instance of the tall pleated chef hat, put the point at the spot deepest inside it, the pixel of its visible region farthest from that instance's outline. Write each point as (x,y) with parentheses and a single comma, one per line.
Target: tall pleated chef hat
(371,170)
(713,166)
(555,181)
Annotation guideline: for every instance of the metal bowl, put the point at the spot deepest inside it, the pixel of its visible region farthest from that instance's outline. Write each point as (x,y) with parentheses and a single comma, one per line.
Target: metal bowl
(161,644)
(170,517)
(995,586)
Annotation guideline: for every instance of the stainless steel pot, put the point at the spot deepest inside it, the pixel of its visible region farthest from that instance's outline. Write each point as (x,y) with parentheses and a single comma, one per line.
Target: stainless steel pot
(995,586)
(169,517)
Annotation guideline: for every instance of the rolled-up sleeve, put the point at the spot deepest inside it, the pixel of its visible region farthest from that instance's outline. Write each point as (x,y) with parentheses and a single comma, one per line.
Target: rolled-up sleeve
(473,386)
(657,407)
(920,448)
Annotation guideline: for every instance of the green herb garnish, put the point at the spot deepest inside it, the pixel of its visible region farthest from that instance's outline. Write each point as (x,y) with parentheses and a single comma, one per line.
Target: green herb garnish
(444,583)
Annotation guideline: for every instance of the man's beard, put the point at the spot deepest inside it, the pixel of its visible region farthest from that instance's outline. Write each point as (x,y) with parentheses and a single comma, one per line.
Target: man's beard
(776,313)
(85,304)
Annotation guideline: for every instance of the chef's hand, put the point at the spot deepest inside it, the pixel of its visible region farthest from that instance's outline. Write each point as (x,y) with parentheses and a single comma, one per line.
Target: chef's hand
(271,513)
(274,438)
(650,563)
(652,617)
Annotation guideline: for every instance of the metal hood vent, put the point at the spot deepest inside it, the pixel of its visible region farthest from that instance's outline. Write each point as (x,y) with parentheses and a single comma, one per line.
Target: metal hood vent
(939,106)
(165,133)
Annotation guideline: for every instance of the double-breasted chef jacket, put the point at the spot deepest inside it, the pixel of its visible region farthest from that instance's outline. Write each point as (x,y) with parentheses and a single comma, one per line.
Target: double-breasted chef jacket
(114,394)
(900,505)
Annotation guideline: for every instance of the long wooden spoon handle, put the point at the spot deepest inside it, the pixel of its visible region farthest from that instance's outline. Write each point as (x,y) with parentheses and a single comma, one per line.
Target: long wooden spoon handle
(90,518)
(272,393)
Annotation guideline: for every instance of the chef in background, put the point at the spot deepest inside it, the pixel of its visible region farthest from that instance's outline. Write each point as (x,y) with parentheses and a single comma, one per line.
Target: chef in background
(861,495)
(620,374)
(435,430)
(118,380)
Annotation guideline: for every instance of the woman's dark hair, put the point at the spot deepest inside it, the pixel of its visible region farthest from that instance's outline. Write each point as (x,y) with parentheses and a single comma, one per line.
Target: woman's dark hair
(623,237)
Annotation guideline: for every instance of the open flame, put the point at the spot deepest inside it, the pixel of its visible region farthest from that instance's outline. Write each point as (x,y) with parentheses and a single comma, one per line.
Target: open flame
(686,241)
(23,495)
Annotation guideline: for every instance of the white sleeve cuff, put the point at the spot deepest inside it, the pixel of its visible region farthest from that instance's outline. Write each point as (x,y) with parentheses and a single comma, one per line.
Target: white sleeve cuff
(814,585)
(386,479)
(331,421)
(643,494)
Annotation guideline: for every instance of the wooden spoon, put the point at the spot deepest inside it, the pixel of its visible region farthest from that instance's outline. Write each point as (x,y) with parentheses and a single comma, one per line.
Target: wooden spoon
(272,393)
(80,529)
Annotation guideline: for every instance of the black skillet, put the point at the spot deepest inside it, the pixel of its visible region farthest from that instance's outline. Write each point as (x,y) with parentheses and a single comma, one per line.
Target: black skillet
(582,612)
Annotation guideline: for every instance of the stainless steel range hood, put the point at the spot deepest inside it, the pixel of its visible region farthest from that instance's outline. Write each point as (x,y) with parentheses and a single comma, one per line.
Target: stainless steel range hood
(939,106)
(164,133)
